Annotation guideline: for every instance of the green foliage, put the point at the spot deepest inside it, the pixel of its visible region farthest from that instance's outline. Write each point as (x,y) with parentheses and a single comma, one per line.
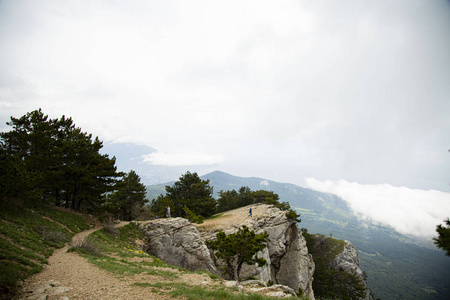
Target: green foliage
(239,248)
(229,200)
(293,215)
(189,191)
(51,161)
(129,197)
(191,216)
(443,239)
(328,282)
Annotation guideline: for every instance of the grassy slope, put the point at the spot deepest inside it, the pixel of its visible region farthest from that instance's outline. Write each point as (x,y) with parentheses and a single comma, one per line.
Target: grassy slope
(28,237)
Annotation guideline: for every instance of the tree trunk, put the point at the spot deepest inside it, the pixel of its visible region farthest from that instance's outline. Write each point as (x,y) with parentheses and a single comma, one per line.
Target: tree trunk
(235,268)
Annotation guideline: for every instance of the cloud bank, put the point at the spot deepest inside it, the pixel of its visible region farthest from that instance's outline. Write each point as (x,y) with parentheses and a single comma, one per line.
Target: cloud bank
(409,211)
(181,158)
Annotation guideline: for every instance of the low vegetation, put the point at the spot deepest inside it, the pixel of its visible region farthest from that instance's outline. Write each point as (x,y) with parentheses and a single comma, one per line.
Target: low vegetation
(28,237)
(330,283)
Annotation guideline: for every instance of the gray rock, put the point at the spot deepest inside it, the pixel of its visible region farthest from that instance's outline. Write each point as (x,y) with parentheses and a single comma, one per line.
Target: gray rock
(276,290)
(177,242)
(296,266)
(288,261)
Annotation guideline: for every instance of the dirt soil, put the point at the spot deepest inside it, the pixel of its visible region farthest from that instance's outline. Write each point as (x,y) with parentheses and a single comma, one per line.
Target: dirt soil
(233,218)
(70,276)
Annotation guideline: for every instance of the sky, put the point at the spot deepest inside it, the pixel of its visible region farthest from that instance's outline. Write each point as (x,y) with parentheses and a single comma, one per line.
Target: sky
(317,93)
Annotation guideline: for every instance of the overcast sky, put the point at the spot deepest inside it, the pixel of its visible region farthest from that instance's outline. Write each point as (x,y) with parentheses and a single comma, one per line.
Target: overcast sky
(285,90)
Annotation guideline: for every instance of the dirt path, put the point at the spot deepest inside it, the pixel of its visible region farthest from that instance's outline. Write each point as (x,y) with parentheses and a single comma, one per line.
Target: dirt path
(232,218)
(70,276)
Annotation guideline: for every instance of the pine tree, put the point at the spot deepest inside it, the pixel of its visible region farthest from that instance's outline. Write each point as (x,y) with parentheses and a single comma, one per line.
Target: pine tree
(51,161)
(239,248)
(443,239)
(129,198)
(192,192)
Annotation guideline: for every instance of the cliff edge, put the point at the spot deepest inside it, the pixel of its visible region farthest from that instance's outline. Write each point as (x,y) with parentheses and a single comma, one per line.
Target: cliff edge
(180,243)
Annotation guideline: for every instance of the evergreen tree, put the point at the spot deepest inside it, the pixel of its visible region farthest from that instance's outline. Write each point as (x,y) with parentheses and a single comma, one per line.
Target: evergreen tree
(443,239)
(228,200)
(239,248)
(192,192)
(51,161)
(129,198)
(159,206)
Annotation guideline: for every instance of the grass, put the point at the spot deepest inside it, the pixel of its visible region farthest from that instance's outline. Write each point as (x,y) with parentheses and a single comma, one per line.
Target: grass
(214,216)
(200,292)
(28,238)
(116,254)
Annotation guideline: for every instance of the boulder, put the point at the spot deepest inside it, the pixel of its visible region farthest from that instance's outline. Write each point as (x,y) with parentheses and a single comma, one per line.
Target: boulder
(177,242)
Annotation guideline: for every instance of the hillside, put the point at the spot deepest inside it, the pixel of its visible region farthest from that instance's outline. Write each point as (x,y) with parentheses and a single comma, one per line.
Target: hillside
(98,263)
(396,268)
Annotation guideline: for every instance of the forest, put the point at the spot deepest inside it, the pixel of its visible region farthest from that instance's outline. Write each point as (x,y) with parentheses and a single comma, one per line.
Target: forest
(53,162)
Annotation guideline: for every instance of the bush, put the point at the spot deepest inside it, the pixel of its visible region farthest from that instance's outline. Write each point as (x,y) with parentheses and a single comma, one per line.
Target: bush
(52,235)
(84,245)
(111,230)
(192,217)
(291,214)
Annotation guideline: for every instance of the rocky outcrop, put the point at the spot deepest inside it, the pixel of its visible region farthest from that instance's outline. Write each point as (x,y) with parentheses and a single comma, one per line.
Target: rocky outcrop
(339,255)
(288,261)
(177,242)
(347,260)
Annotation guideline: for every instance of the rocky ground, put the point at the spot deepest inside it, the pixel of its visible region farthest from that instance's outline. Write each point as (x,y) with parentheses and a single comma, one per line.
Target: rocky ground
(233,218)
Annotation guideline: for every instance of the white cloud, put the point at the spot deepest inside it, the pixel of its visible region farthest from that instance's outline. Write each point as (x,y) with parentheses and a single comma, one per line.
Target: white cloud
(283,90)
(409,211)
(181,158)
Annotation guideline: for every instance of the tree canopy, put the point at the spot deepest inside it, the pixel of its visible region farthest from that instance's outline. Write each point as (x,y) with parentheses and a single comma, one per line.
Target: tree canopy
(190,192)
(51,161)
(129,197)
(443,239)
(239,248)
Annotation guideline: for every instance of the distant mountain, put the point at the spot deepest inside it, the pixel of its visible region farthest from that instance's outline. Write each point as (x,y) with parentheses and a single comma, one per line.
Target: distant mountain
(396,267)
(130,156)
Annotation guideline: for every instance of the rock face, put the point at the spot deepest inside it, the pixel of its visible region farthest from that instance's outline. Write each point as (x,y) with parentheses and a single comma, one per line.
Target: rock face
(177,242)
(339,255)
(347,260)
(288,261)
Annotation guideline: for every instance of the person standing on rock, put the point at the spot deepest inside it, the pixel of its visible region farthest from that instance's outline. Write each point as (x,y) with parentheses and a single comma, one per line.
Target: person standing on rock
(250,212)
(168,212)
